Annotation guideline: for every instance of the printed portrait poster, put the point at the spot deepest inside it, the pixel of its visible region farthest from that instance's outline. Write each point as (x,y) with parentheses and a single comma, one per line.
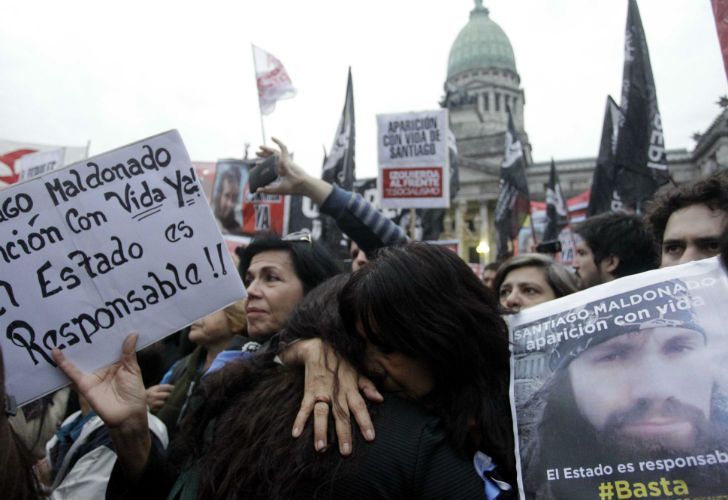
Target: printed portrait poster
(413,159)
(228,192)
(118,243)
(621,390)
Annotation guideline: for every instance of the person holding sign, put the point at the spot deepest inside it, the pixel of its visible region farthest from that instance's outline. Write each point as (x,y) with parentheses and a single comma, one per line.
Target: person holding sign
(278,273)
(640,392)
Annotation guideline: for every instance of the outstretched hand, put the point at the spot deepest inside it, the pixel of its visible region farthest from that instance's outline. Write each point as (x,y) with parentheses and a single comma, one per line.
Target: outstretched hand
(319,398)
(116,392)
(292,179)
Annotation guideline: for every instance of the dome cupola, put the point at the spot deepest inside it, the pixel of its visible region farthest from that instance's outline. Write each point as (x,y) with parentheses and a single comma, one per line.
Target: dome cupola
(481,44)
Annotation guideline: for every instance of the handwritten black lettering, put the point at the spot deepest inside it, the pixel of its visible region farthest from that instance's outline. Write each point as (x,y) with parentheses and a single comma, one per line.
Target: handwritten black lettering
(14,205)
(182,185)
(79,223)
(11,295)
(62,190)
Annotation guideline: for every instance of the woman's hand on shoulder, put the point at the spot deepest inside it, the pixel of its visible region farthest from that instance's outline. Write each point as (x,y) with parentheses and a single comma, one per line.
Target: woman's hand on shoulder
(321,363)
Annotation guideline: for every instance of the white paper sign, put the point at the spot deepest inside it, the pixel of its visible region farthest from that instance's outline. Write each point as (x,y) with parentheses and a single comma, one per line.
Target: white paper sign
(621,389)
(40,163)
(121,242)
(414,170)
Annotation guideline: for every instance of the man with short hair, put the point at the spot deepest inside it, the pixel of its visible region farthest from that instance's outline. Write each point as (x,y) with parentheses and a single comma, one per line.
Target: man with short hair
(613,245)
(489,272)
(688,220)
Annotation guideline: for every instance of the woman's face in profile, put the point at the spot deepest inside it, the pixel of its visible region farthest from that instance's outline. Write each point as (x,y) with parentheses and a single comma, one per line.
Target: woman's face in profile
(274,289)
(525,287)
(398,373)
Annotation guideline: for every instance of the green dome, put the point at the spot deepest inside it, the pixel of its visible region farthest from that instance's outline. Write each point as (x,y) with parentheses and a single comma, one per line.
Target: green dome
(481,44)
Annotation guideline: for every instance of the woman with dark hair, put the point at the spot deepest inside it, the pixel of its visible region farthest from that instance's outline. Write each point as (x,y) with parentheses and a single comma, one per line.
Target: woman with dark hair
(277,274)
(447,352)
(532,278)
(417,453)
(447,348)
(17,480)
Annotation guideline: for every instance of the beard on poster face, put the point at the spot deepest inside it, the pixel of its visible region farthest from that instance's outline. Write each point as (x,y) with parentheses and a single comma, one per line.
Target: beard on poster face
(650,430)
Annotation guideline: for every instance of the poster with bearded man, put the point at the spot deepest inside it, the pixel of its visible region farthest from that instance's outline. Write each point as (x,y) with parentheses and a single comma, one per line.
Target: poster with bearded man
(621,391)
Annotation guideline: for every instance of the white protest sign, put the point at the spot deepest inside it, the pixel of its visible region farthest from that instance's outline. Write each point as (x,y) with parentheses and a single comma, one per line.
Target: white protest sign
(414,170)
(621,389)
(121,242)
(37,164)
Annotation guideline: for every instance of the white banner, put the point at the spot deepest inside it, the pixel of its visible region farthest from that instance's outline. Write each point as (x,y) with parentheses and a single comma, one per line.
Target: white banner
(414,170)
(122,242)
(12,151)
(621,390)
(36,164)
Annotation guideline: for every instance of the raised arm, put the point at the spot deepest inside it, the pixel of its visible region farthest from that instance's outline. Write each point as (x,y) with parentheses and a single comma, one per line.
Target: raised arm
(356,217)
(117,395)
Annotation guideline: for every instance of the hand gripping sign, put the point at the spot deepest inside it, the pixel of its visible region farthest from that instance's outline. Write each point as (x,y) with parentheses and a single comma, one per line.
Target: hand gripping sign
(120,242)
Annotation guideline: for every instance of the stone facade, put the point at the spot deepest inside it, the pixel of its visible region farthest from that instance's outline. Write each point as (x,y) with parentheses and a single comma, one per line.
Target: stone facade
(482,80)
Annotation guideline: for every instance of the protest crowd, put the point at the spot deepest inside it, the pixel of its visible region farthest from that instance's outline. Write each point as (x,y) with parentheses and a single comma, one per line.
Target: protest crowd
(397,372)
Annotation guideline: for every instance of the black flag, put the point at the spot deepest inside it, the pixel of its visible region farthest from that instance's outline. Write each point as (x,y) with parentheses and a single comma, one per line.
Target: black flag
(339,168)
(604,196)
(557,213)
(432,219)
(513,201)
(640,157)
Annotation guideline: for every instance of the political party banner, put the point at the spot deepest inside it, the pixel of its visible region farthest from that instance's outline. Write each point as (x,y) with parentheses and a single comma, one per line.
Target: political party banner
(621,390)
(12,151)
(36,164)
(121,242)
(413,157)
(265,213)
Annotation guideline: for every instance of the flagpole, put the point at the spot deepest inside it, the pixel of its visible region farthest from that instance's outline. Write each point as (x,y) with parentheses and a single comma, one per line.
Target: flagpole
(255,75)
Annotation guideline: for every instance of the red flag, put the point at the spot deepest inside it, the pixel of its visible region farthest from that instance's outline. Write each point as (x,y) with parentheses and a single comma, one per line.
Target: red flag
(720,12)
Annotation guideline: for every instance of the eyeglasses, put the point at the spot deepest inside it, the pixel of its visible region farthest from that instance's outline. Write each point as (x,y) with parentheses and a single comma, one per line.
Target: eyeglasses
(298,236)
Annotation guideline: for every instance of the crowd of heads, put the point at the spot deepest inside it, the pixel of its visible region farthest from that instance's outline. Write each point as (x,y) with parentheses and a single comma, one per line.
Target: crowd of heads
(418,322)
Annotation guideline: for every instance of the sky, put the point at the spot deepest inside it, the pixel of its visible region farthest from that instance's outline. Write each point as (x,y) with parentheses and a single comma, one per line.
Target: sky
(113,73)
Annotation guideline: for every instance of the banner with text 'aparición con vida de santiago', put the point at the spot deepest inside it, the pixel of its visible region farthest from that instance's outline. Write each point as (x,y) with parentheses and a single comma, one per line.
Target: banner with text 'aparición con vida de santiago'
(621,390)
(121,242)
(414,168)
